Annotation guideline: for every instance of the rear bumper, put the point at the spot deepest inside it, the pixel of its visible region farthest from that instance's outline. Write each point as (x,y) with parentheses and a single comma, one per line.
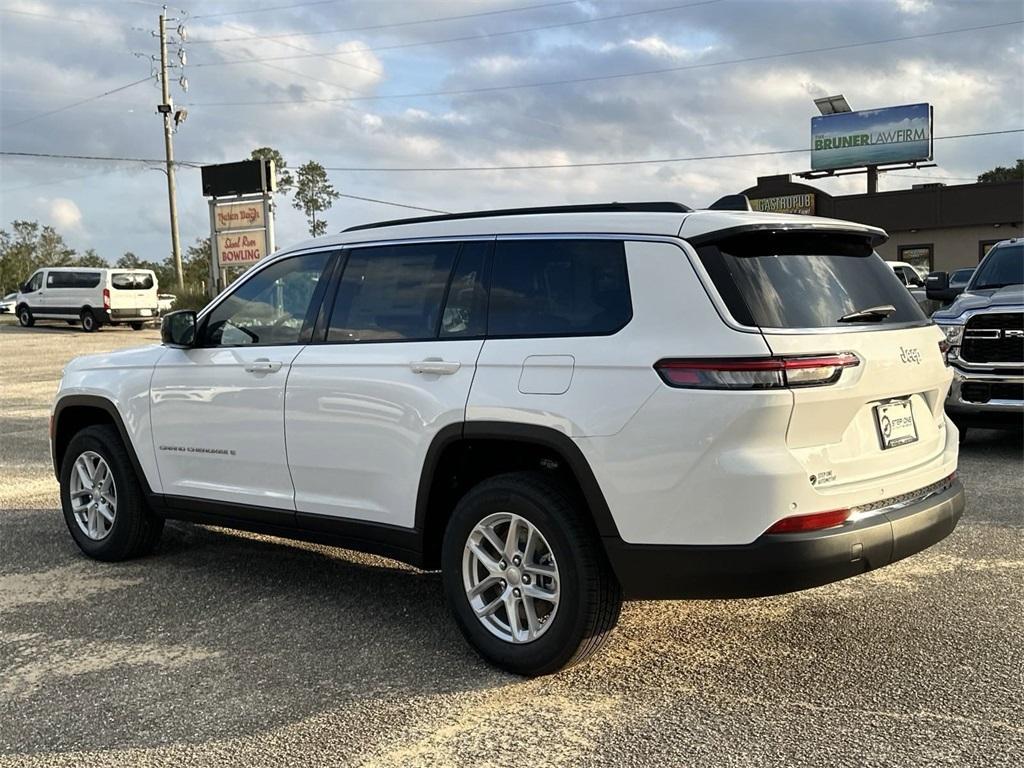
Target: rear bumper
(777,564)
(132,315)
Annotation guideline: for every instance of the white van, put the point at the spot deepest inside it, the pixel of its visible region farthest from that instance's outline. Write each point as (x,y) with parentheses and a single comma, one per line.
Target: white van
(92,297)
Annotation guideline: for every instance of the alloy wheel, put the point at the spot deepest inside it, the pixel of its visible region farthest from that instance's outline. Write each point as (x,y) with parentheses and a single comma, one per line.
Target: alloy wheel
(93,495)
(511,577)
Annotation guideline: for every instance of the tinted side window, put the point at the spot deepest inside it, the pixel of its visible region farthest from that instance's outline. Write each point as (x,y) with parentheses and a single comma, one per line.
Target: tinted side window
(558,288)
(269,308)
(392,293)
(465,310)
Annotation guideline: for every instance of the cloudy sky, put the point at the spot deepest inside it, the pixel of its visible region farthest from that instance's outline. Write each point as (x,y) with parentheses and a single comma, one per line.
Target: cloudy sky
(426,84)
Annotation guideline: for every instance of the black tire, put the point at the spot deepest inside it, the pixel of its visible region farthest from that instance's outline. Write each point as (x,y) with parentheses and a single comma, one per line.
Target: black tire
(963,433)
(88,321)
(25,317)
(136,326)
(590,596)
(136,530)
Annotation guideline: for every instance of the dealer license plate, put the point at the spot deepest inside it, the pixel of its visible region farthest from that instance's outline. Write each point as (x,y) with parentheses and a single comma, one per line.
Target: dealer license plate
(895,421)
(146,313)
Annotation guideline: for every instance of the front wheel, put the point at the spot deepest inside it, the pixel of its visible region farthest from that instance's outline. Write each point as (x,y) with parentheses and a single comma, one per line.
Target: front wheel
(104,507)
(25,318)
(525,575)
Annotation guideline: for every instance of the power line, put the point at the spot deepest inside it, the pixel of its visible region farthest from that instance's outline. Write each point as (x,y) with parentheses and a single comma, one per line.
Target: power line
(597,78)
(548,166)
(393,25)
(47,16)
(78,103)
(388,202)
(612,163)
(264,10)
(465,38)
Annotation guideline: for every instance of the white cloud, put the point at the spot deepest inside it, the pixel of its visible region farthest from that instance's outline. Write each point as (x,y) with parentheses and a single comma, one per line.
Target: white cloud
(64,213)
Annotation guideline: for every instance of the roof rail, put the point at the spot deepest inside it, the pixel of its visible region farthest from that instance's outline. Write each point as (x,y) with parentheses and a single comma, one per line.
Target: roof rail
(664,207)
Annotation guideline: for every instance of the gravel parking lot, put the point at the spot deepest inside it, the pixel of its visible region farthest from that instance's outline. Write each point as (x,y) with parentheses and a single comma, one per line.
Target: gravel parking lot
(234,649)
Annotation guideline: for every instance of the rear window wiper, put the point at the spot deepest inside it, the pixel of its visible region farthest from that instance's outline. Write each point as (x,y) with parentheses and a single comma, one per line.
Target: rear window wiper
(871,314)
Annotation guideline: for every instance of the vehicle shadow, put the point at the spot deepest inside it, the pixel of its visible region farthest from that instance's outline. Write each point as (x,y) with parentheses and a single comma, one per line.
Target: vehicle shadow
(218,633)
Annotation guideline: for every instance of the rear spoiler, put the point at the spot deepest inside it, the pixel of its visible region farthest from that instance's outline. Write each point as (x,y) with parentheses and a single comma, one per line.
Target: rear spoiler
(874,235)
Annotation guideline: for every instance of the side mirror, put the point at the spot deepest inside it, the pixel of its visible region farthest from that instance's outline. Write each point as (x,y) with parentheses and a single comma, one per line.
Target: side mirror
(937,286)
(23,288)
(178,329)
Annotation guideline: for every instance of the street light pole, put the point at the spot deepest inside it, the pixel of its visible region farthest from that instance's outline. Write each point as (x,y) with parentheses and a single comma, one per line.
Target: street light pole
(166,108)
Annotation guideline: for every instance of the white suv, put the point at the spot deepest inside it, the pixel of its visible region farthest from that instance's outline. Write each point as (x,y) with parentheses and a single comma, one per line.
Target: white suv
(558,408)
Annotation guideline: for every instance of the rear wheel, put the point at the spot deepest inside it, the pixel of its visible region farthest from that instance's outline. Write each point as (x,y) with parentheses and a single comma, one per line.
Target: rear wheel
(136,326)
(25,318)
(526,577)
(103,504)
(88,321)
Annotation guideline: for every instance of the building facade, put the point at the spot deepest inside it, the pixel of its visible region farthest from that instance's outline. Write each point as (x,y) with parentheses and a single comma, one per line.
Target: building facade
(932,226)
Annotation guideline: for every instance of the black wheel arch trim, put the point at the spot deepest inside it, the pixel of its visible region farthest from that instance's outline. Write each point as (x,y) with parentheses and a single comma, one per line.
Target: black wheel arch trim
(107,406)
(546,437)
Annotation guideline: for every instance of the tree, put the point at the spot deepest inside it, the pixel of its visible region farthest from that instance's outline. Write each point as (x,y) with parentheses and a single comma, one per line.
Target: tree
(284,176)
(999,173)
(91,259)
(314,194)
(27,247)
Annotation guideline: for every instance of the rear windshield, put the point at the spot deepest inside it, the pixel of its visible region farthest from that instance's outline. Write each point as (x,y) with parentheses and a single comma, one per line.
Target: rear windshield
(1003,266)
(805,280)
(134,281)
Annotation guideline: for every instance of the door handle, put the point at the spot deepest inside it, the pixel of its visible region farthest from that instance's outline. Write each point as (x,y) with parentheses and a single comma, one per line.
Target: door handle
(263,365)
(436,366)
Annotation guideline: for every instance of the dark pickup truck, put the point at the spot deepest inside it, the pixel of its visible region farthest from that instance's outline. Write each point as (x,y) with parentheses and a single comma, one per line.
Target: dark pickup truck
(984,327)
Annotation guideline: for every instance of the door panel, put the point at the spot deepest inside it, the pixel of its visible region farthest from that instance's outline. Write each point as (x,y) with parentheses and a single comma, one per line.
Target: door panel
(217,426)
(362,408)
(359,420)
(218,409)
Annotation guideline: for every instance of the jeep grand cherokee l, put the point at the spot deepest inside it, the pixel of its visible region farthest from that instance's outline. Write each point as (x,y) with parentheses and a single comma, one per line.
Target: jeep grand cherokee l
(558,408)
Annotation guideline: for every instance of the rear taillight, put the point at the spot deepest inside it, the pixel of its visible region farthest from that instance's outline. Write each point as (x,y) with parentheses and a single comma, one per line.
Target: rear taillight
(816,521)
(755,372)
(106,298)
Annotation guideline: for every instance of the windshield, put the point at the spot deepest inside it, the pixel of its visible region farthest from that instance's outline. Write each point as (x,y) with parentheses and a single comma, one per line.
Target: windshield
(961,276)
(807,280)
(1003,266)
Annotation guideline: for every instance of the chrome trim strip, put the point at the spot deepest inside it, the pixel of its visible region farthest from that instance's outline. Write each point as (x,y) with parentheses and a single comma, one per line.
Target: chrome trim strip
(967,314)
(894,503)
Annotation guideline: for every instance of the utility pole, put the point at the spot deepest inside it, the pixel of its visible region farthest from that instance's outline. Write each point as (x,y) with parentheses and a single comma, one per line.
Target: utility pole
(166,109)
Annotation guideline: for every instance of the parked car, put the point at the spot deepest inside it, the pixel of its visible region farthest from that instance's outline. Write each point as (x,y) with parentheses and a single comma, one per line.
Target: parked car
(907,274)
(8,303)
(91,297)
(955,283)
(165,302)
(558,408)
(984,328)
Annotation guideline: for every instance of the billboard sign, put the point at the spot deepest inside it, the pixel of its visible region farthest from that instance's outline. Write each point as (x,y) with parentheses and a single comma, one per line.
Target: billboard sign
(871,137)
(244,215)
(240,249)
(802,203)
